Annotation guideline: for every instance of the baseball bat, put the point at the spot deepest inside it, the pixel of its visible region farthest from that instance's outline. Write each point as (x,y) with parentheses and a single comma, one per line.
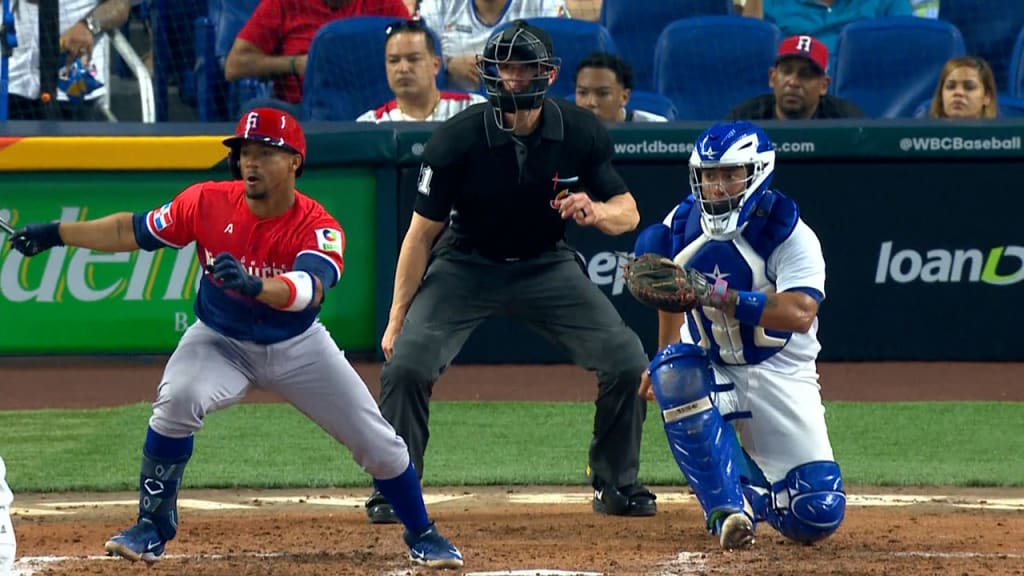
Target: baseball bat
(6,227)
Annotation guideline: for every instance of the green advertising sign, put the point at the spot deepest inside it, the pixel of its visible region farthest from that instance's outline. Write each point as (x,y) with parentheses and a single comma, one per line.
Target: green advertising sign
(76,301)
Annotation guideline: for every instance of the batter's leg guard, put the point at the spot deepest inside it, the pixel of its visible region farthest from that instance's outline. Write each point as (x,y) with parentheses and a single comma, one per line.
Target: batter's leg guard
(163,464)
(705,448)
(807,506)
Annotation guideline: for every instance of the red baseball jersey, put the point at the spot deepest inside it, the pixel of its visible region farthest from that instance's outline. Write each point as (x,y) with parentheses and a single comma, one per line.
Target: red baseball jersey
(215,215)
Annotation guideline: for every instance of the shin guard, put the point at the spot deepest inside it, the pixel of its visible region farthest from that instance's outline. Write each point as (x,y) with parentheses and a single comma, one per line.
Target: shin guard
(163,464)
(704,446)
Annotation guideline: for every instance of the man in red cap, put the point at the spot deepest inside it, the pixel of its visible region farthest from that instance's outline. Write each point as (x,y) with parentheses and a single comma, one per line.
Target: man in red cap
(270,253)
(798,81)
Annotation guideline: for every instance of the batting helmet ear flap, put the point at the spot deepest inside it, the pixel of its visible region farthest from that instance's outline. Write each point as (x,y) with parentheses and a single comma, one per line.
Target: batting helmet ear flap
(234,164)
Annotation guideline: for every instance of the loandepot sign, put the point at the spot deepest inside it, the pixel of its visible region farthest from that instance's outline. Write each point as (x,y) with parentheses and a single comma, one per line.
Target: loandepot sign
(999,266)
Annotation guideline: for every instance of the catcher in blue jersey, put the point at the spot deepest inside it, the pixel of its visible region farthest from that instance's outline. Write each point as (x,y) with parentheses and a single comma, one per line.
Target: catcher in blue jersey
(737,277)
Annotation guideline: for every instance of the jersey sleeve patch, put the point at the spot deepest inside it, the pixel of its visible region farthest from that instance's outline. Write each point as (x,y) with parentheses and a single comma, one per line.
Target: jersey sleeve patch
(330,240)
(158,221)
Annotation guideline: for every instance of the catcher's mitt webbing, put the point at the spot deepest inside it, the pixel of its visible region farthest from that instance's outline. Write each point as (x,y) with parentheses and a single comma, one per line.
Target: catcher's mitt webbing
(658,282)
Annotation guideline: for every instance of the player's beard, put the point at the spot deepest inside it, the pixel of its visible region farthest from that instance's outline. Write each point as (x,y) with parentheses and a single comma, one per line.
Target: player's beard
(256,193)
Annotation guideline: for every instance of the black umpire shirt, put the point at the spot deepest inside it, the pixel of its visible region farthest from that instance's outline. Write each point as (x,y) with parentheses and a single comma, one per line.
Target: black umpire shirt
(763,108)
(500,190)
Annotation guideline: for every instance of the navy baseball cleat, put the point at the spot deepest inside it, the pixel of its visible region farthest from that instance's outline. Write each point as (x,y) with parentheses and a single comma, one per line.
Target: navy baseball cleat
(140,542)
(379,510)
(433,550)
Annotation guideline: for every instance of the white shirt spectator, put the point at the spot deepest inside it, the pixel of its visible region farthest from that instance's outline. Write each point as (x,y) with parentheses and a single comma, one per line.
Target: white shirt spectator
(641,116)
(462,31)
(8,545)
(24,62)
(450,104)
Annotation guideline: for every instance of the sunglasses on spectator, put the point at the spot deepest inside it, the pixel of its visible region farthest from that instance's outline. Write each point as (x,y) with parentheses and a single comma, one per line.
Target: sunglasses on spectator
(404,26)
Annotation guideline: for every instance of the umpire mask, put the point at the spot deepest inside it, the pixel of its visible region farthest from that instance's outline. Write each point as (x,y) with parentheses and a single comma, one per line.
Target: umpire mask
(516,67)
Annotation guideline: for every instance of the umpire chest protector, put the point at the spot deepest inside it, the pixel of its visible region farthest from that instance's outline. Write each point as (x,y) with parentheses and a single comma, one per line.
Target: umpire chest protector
(501,190)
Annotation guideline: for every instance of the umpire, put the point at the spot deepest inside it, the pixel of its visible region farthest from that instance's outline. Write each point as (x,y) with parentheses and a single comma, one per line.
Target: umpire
(501,175)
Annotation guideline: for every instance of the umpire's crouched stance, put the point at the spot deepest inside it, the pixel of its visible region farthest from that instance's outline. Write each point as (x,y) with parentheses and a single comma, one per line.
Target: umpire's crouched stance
(502,173)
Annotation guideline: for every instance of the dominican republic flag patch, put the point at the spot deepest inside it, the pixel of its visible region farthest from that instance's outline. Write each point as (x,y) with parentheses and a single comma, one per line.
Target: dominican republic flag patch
(162,217)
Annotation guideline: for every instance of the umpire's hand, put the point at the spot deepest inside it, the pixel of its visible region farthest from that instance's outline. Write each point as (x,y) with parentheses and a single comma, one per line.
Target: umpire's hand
(36,238)
(580,208)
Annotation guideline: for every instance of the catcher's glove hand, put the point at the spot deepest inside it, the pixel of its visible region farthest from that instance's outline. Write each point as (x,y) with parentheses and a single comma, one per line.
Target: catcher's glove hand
(659,282)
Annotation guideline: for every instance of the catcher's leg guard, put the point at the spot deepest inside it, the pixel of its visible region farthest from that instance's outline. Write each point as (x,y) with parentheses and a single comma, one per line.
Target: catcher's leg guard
(704,447)
(163,464)
(806,506)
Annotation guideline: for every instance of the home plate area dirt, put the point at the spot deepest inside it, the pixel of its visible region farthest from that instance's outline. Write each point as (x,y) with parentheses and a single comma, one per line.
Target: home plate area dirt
(518,531)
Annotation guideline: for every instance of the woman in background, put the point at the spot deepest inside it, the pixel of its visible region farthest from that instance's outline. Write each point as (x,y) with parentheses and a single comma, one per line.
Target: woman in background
(966,89)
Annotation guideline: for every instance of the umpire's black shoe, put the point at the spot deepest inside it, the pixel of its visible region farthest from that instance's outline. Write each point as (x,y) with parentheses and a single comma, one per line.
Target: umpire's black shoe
(379,510)
(632,500)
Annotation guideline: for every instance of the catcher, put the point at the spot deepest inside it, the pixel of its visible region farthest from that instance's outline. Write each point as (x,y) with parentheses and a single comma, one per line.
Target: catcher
(737,277)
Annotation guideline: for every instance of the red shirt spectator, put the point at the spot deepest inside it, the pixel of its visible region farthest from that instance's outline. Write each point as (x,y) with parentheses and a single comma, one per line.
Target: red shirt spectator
(283,30)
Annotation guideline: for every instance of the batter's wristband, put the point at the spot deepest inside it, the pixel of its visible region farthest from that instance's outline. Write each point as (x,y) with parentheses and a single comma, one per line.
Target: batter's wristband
(750,307)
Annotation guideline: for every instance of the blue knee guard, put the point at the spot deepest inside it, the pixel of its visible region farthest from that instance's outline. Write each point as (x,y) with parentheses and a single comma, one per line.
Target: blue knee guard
(704,447)
(808,505)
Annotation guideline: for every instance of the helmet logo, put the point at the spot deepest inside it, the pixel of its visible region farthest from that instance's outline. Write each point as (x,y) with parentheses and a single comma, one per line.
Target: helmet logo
(706,149)
(252,122)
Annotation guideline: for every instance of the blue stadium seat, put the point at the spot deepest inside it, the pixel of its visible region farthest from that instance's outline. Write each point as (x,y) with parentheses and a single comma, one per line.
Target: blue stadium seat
(708,64)
(887,66)
(636,24)
(345,73)
(1015,85)
(652,102)
(989,29)
(573,41)
(218,99)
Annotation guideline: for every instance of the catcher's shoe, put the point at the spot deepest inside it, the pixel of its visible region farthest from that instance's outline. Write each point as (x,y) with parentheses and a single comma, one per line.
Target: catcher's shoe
(379,510)
(632,500)
(736,532)
(431,549)
(140,542)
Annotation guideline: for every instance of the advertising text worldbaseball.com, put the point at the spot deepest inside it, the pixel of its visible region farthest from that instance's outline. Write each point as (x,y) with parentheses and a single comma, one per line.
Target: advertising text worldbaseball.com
(659,146)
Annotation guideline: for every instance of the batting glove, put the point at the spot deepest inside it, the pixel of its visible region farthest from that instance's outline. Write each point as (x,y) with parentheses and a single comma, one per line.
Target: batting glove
(36,238)
(232,276)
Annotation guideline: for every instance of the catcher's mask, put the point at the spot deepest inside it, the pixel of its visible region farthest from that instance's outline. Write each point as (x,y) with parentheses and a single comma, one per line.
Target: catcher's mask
(519,43)
(724,146)
(267,126)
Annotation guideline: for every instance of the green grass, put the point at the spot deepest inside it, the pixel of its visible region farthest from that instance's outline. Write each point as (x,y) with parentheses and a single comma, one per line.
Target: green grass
(474,443)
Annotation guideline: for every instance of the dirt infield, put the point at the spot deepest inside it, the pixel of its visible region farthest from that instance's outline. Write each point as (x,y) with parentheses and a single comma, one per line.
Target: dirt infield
(517,530)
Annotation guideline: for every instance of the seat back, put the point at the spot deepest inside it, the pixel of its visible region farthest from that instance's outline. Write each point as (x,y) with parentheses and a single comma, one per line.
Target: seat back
(989,29)
(635,26)
(887,66)
(652,102)
(1015,84)
(709,64)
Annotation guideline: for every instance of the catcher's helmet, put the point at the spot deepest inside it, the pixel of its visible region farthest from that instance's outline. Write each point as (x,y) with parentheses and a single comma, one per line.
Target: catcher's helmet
(267,126)
(725,145)
(522,43)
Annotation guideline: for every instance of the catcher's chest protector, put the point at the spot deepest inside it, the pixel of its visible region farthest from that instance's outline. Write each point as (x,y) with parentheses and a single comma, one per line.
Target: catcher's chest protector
(773,220)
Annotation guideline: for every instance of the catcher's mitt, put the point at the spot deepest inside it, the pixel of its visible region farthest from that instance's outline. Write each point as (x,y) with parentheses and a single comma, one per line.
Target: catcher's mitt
(659,282)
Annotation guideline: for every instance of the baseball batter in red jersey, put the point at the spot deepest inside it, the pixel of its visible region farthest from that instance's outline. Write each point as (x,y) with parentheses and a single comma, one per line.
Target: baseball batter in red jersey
(270,253)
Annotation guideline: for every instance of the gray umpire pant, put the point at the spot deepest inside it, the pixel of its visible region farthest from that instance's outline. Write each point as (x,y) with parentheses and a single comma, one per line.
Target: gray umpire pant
(553,295)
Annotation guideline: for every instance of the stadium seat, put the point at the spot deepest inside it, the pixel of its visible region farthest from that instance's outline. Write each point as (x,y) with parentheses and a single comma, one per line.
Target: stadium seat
(573,41)
(635,25)
(218,99)
(345,73)
(1015,86)
(652,102)
(172,25)
(887,66)
(708,64)
(989,29)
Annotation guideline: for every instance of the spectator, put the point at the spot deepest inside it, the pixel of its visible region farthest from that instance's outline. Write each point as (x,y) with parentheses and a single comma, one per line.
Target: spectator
(823,19)
(275,40)
(966,89)
(84,51)
(465,26)
(604,83)
(798,82)
(412,64)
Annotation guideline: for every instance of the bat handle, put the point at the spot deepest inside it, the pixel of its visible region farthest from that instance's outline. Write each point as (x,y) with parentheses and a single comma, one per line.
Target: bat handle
(6,227)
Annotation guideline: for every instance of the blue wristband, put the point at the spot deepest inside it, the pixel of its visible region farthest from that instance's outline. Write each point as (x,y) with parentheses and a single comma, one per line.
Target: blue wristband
(750,306)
